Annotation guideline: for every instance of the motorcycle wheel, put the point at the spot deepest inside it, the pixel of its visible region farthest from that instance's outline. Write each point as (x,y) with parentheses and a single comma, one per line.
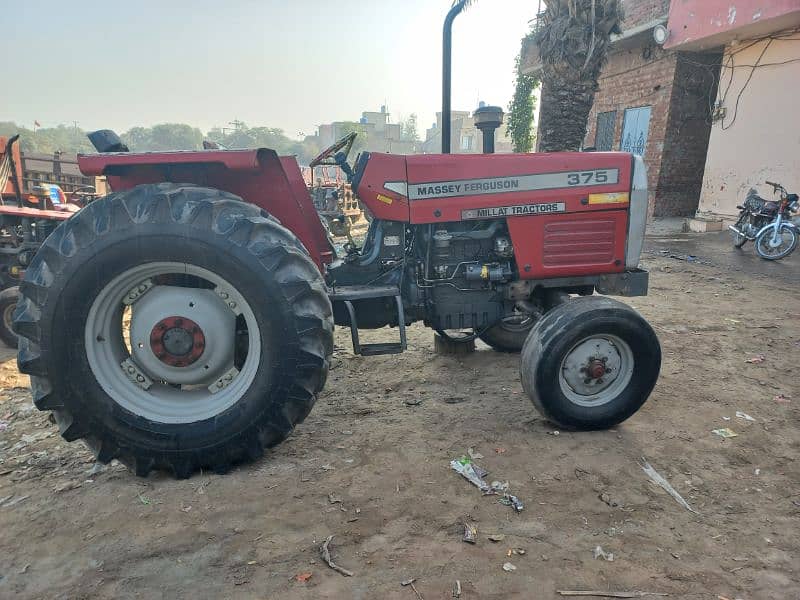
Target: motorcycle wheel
(766,250)
(738,239)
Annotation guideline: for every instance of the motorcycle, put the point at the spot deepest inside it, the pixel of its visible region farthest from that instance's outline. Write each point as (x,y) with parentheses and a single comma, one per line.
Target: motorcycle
(768,224)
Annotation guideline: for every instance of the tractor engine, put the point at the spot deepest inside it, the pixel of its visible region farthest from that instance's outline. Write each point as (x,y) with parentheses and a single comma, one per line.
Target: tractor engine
(467,268)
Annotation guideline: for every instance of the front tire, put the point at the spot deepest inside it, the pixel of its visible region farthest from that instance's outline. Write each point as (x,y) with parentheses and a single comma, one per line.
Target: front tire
(171,260)
(788,242)
(590,363)
(8,302)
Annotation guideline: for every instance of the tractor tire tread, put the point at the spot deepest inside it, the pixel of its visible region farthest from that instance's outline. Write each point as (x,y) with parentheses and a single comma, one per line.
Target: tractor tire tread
(224,214)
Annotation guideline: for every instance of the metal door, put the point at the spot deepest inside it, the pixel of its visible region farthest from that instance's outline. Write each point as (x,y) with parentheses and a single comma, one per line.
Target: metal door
(604,134)
(634,130)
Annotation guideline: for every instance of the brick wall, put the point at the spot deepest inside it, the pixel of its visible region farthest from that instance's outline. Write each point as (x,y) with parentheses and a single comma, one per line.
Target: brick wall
(632,79)
(639,12)
(688,129)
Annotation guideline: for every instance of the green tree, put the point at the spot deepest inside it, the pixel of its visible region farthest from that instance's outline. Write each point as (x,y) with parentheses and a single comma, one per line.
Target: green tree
(163,137)
(573,37)
(523,104)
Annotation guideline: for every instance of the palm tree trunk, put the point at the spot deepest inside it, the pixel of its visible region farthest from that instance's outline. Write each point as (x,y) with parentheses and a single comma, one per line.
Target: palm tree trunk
(565,107)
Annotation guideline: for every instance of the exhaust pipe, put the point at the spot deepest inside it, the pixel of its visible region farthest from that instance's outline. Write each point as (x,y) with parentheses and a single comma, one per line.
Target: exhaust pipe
(447,51)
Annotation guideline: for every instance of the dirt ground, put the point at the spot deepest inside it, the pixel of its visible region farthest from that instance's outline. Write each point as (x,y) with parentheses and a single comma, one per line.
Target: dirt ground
(371,466)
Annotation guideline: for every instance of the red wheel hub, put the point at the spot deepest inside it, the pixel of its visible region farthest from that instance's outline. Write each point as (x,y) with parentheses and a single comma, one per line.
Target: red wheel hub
(177,341)
(596,369)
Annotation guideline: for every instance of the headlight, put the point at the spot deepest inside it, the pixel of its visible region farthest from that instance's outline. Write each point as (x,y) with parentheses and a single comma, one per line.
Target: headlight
(637,214)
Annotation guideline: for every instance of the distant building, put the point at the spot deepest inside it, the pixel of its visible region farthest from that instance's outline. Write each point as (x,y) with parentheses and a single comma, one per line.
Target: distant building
(465,138)
(380,134)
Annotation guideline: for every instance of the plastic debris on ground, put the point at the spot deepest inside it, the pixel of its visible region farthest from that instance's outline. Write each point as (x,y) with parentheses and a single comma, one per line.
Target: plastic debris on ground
(475,475)
(470,533)
(782,399)
(511,500)
(496,537)
(725,432)
(508,567)
(303,577)
(600,553)
(656,478)
(756,360)
(473,454)
(745,416)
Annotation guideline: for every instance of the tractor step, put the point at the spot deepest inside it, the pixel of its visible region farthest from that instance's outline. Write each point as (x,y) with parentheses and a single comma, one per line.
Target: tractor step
(350,293)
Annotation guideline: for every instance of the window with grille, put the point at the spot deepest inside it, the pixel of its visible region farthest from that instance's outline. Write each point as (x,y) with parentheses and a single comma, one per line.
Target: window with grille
(604,136)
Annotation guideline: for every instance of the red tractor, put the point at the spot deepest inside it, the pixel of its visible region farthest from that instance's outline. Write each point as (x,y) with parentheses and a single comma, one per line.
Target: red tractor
(186,320)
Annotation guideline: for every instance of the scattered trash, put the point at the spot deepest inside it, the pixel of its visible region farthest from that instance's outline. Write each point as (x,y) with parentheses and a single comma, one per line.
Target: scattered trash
(656,478)
(496,537)
(410,582)
(508,567)
(515,551)
(511,500)
(500,450)
(3,425)
(470,533)
(326,556)
(734,321)
(757,472)
(474,455)
(413,401)
(457,589)
(745,416)
(726,418)
(782,399)
(10,501)
(97,468)
(186,509)
(303,577)
(334,499)
(608,500)
(725,432)
(499,486)
(554,432)
(603,594)
(24,569)
(144,499)
(67,485)
(600,553)
(471,472)
(455,399)
(756,360)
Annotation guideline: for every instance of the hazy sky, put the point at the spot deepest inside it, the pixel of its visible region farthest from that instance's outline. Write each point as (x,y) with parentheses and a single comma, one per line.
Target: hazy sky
(291,64)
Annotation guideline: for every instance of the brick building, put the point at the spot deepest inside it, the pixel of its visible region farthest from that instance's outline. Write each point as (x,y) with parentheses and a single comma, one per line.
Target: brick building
(656,103)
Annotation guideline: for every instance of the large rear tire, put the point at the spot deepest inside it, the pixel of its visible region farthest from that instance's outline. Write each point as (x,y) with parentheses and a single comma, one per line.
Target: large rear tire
(230,330)
(590,363)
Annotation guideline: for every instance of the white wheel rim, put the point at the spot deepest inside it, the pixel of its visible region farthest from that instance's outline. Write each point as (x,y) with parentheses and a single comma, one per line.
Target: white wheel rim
(577,373)
(176,394)
(772,246)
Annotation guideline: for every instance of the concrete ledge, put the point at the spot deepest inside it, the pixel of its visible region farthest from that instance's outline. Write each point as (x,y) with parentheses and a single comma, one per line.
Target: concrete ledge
(704,225)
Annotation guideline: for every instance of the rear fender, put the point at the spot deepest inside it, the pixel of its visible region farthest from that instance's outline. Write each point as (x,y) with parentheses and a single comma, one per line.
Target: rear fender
(259,177)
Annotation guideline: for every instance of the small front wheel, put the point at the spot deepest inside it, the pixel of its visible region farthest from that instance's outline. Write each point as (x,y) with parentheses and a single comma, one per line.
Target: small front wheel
(774,247)
(590,363)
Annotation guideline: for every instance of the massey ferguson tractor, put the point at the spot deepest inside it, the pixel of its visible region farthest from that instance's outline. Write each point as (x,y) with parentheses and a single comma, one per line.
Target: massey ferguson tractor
(185,321)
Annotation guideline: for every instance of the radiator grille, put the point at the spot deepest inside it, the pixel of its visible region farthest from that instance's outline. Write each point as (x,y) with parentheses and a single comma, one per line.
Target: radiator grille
(579,242)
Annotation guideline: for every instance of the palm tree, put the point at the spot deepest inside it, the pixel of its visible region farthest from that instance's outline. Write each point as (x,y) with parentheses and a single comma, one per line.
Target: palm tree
(573,37)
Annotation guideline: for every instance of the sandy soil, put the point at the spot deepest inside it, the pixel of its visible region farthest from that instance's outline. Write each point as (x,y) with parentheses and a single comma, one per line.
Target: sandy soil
(370,466)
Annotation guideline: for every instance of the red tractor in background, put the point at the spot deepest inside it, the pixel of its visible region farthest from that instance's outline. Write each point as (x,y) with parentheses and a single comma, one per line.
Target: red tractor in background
(25,222)
(186,320)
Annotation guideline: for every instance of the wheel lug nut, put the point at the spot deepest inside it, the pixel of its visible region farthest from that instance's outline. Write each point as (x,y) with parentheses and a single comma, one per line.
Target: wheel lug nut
(140,379)
(608,370)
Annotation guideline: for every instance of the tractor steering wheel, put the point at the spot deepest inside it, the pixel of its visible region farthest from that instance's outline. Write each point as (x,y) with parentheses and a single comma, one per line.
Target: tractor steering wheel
(328,156)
